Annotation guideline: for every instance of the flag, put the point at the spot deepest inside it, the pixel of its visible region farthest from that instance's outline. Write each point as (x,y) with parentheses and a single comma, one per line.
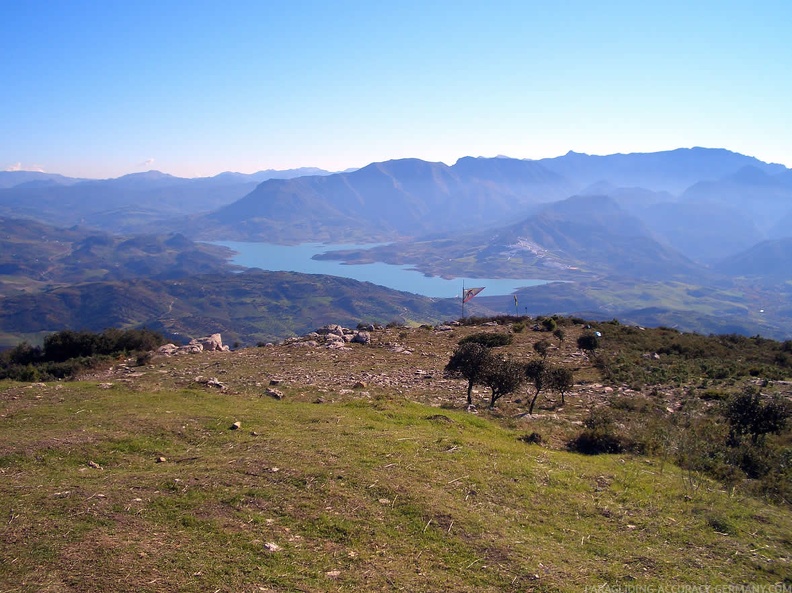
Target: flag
(515,301)
(469,293)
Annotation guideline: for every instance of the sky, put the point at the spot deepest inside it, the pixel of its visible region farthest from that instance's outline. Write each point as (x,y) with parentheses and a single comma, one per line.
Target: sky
(101,89)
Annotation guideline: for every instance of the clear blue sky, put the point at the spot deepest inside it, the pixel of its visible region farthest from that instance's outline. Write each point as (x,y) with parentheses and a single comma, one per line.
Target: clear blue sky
(102,88)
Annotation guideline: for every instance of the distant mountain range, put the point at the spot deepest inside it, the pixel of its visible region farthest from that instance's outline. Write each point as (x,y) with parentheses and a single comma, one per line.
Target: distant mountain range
(127,204)
(698,234)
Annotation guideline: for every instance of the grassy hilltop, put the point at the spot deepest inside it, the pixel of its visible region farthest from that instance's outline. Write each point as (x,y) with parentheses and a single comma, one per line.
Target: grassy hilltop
(360,468)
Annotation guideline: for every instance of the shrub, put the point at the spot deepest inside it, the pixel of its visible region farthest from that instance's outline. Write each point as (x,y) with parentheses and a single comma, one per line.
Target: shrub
(533,438)
(67,352)
(488,339)
(599,435)
(749,415)
(542,347)
(588,342)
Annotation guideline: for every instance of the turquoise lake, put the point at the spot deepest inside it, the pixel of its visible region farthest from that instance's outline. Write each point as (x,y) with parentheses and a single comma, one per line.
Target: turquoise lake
(298,258)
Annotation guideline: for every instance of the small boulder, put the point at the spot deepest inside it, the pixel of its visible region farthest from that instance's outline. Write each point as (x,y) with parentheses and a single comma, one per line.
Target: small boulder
(275,393)
(362,337)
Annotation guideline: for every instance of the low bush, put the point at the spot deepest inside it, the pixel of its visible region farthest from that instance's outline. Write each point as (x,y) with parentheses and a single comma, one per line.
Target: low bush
(488,339)
(68,352)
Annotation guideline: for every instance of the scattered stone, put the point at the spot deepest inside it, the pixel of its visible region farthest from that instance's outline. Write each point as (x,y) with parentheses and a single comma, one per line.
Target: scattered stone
(362,337)
(333,574)
(398,349)
(443,328)
(331,329)
(161,459)
(211,382)
(276,393)
(236,425)
(275,382)
(272,547)
(360,385)
(94,465)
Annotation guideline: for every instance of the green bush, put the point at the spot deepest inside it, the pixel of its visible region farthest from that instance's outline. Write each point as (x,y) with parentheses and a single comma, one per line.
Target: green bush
(549,324)
(488,339)
(67,352)
(600,435)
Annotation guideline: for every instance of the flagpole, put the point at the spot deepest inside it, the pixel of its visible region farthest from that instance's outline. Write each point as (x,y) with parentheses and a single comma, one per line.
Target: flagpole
(463,298)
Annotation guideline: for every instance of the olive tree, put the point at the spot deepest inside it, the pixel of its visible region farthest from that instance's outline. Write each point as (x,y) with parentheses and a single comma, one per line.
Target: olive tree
(502,377)
(470,361)
(536,373)
(561,379)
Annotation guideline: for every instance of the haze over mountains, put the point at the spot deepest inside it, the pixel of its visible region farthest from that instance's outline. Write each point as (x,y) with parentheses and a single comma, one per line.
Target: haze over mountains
(125,204)
(699,231)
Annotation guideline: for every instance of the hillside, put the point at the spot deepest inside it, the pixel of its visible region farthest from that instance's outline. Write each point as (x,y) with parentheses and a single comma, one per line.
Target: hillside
(362,470)
(53,278)
(33,255)
(249,307)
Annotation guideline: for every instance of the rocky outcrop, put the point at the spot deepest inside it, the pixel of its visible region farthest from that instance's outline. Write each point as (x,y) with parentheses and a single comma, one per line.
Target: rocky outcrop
(335,337)
(213,343)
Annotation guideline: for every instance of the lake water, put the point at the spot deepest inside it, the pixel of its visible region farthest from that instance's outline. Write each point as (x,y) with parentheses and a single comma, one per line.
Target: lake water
(298,258)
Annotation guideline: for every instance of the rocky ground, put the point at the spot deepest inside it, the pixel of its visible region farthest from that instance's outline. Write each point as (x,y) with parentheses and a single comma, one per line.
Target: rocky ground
(393,362)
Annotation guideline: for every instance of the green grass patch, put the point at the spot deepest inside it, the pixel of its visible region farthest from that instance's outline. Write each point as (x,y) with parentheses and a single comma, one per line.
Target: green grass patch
(377,495)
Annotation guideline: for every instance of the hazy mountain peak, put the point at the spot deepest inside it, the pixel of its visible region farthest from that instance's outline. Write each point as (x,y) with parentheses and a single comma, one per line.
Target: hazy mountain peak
(753,175)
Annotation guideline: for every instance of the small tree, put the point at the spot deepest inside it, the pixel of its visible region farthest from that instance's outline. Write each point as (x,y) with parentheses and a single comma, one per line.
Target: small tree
(588,343)
(502,377)
(470,361)
(535,373)
(748,415)
(561,379)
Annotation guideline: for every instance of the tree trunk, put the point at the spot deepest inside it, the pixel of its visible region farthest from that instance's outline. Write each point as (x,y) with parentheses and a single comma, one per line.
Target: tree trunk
(533,401)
